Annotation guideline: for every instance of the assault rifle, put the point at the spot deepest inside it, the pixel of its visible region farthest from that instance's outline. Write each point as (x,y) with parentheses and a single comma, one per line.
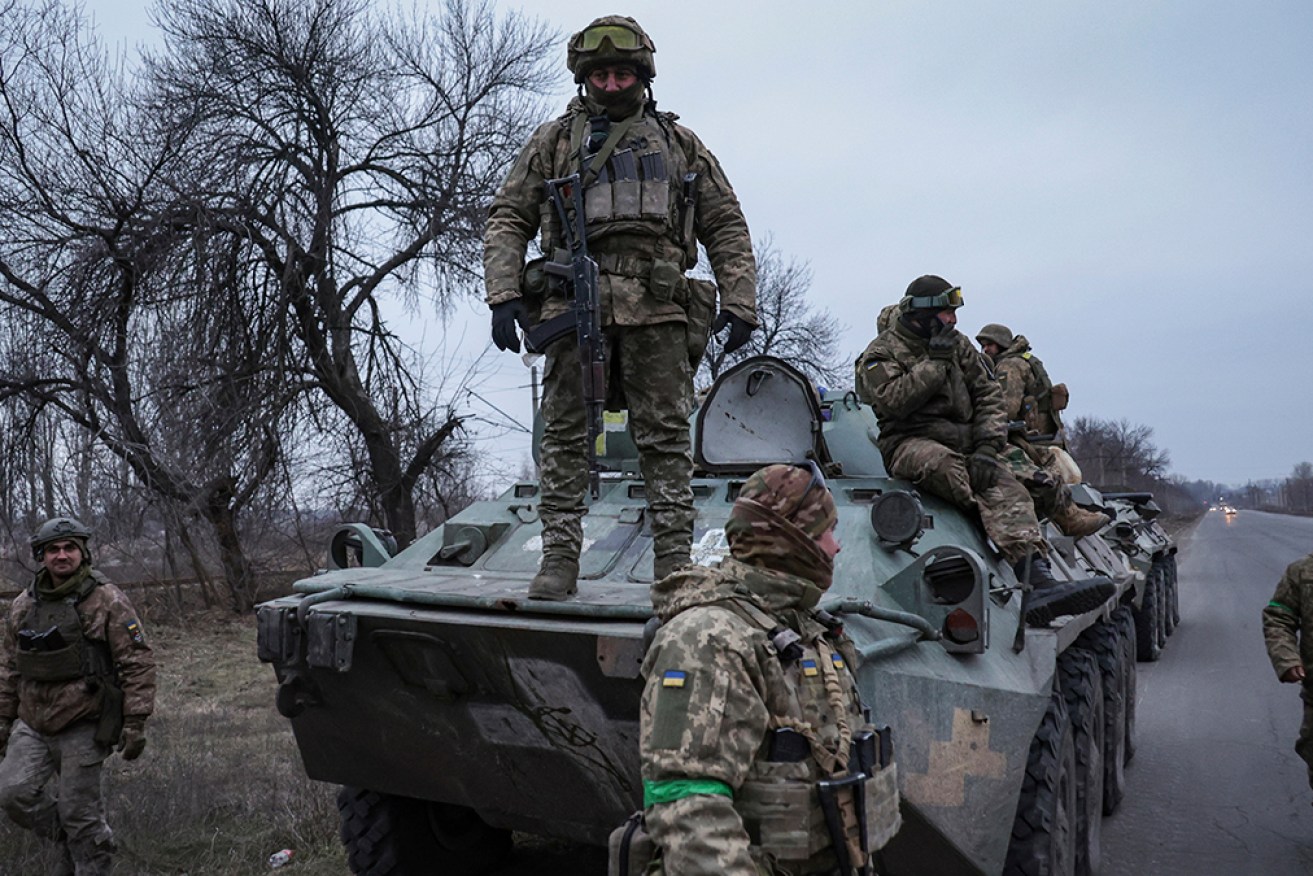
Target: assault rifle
(567,196)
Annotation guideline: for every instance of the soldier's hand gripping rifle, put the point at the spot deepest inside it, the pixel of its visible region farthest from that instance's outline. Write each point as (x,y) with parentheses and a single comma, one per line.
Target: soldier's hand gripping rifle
(567,196)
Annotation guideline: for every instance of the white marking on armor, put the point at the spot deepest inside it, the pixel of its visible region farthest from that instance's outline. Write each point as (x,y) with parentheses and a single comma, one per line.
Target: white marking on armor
(711,548)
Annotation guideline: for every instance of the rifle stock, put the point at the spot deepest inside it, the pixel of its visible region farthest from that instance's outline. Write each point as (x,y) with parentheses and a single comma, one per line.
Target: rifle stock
(567,197)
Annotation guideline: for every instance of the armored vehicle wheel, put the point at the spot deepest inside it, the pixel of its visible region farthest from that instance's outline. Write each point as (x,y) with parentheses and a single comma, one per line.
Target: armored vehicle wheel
(1175,601)
(387,835)
(1082,687)
(1124,620)
(1044,831)
(1148,648)
(1105,643)
(1164,609)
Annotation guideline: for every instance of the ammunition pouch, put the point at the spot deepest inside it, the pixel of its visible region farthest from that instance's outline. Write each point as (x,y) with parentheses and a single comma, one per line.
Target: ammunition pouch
(63,664)
(630,850)
(1058,397)
(109,726)
(666,282)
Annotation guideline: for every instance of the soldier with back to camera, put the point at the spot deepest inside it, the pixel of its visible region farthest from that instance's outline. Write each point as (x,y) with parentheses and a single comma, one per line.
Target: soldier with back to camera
(651,193)
(1288,632)
(76,678)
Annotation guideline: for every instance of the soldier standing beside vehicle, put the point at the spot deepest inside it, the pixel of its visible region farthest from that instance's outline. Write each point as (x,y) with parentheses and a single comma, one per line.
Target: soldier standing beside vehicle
(942,427)
(750,707)
(1032,400)
(76,677)
(652,191)
(1288,631)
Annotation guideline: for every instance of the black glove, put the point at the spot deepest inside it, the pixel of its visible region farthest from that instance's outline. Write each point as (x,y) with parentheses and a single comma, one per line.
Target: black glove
(505,317)
(739,330)
(982,468)
(943,340)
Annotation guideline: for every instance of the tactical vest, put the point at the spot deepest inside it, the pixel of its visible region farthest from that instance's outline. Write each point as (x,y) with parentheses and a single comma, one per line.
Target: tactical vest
(1044,389)
(51,645)
(781,786)
(634,201)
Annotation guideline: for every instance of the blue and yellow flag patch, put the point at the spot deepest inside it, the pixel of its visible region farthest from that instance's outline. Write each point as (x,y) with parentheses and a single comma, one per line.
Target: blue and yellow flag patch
(837,660)
(674,678)
(809,668)
(134,631)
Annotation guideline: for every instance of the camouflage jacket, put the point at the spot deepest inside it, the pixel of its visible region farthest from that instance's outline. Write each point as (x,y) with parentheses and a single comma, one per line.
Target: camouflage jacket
(48,707)
(1288,620)
(956,402)
(716,688)
(1026,387)
(628,246)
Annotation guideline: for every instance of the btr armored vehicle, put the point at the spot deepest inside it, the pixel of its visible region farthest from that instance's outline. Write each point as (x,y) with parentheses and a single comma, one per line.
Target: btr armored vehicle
(454,710)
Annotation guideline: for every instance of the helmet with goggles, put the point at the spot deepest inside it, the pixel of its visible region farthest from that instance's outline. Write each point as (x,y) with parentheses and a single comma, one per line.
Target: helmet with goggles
(614,40)
(929,292)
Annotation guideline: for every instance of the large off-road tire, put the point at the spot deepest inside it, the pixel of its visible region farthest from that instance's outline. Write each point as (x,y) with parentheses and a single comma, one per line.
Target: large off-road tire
(1175,601)
(1165,579)
(387,835)
(1104,641)
(1081,681)
(1163,608)
(1148,647)
(1123,619)
(1044,831)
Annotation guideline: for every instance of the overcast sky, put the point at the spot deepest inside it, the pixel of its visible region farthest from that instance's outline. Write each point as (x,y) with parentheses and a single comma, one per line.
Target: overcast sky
(1128,184)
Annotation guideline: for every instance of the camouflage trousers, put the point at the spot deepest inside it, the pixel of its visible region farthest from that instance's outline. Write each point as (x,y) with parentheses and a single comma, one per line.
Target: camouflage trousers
(1304,745)
(51,785)
(1006,509)
(650,362)
(1051,496)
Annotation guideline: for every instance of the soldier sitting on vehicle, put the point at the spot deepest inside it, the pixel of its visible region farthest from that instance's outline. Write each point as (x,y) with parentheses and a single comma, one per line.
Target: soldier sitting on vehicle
(1288,631)
(942,427)
(1035,452)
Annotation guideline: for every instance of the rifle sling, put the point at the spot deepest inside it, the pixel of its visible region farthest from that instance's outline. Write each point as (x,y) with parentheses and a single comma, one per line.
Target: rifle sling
(618,131)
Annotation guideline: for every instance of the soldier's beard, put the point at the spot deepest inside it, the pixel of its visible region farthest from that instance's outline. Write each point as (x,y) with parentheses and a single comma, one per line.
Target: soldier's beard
(618,104)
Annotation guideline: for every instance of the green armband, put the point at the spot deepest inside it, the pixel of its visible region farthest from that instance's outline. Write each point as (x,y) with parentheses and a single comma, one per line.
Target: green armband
(678,789)
(1275,604)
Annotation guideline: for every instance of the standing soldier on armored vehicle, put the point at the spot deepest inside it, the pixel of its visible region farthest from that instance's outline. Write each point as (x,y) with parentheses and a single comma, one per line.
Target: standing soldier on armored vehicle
(751,717)
(1288,630)
(942,427)
(76,677)
(652,191)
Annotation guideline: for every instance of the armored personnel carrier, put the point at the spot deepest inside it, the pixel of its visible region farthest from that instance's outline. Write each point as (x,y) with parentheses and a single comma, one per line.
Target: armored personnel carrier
(453,710)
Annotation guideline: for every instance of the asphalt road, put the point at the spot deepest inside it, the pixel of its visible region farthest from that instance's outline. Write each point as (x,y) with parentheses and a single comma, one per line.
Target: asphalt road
(1215,788)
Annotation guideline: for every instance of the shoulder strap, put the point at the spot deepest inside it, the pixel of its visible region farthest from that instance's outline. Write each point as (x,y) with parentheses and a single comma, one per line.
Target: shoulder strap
(618,132)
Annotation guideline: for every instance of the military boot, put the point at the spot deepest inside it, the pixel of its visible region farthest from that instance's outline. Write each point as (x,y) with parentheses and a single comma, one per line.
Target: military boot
(1050,598)
(556,579)
(1076,522)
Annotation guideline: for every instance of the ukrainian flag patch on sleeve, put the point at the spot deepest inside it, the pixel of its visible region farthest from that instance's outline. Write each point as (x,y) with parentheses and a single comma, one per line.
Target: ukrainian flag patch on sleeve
(134,632)
(809,668)
(837,660)
(674,678)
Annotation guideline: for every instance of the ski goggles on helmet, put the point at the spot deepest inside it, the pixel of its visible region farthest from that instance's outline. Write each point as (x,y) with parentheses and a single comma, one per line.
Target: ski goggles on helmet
(621,38)
(947,298)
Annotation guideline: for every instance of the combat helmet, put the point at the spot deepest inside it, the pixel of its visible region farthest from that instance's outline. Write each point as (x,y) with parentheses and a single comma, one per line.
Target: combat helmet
(995,333)
(57,529)
(611,39)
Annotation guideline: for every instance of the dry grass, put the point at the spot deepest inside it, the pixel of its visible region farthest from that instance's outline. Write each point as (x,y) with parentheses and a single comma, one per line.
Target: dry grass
(221,785)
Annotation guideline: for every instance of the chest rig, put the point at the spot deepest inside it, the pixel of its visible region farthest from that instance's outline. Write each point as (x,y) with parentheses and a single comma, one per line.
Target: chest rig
(638,196)
(52,646)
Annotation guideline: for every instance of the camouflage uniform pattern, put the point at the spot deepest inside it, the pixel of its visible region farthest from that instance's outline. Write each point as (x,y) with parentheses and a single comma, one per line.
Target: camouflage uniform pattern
(1025,395)
(55,728)
(716,685)
(647,322)
(932,414)
(1288,633)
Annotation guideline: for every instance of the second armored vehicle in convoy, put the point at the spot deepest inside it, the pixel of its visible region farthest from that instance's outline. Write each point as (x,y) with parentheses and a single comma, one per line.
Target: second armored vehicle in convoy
(453,710)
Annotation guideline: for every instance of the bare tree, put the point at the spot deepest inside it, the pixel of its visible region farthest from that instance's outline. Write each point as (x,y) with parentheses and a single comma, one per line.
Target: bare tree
(348,155)
(1116,454)
(110,326)
(790,327)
